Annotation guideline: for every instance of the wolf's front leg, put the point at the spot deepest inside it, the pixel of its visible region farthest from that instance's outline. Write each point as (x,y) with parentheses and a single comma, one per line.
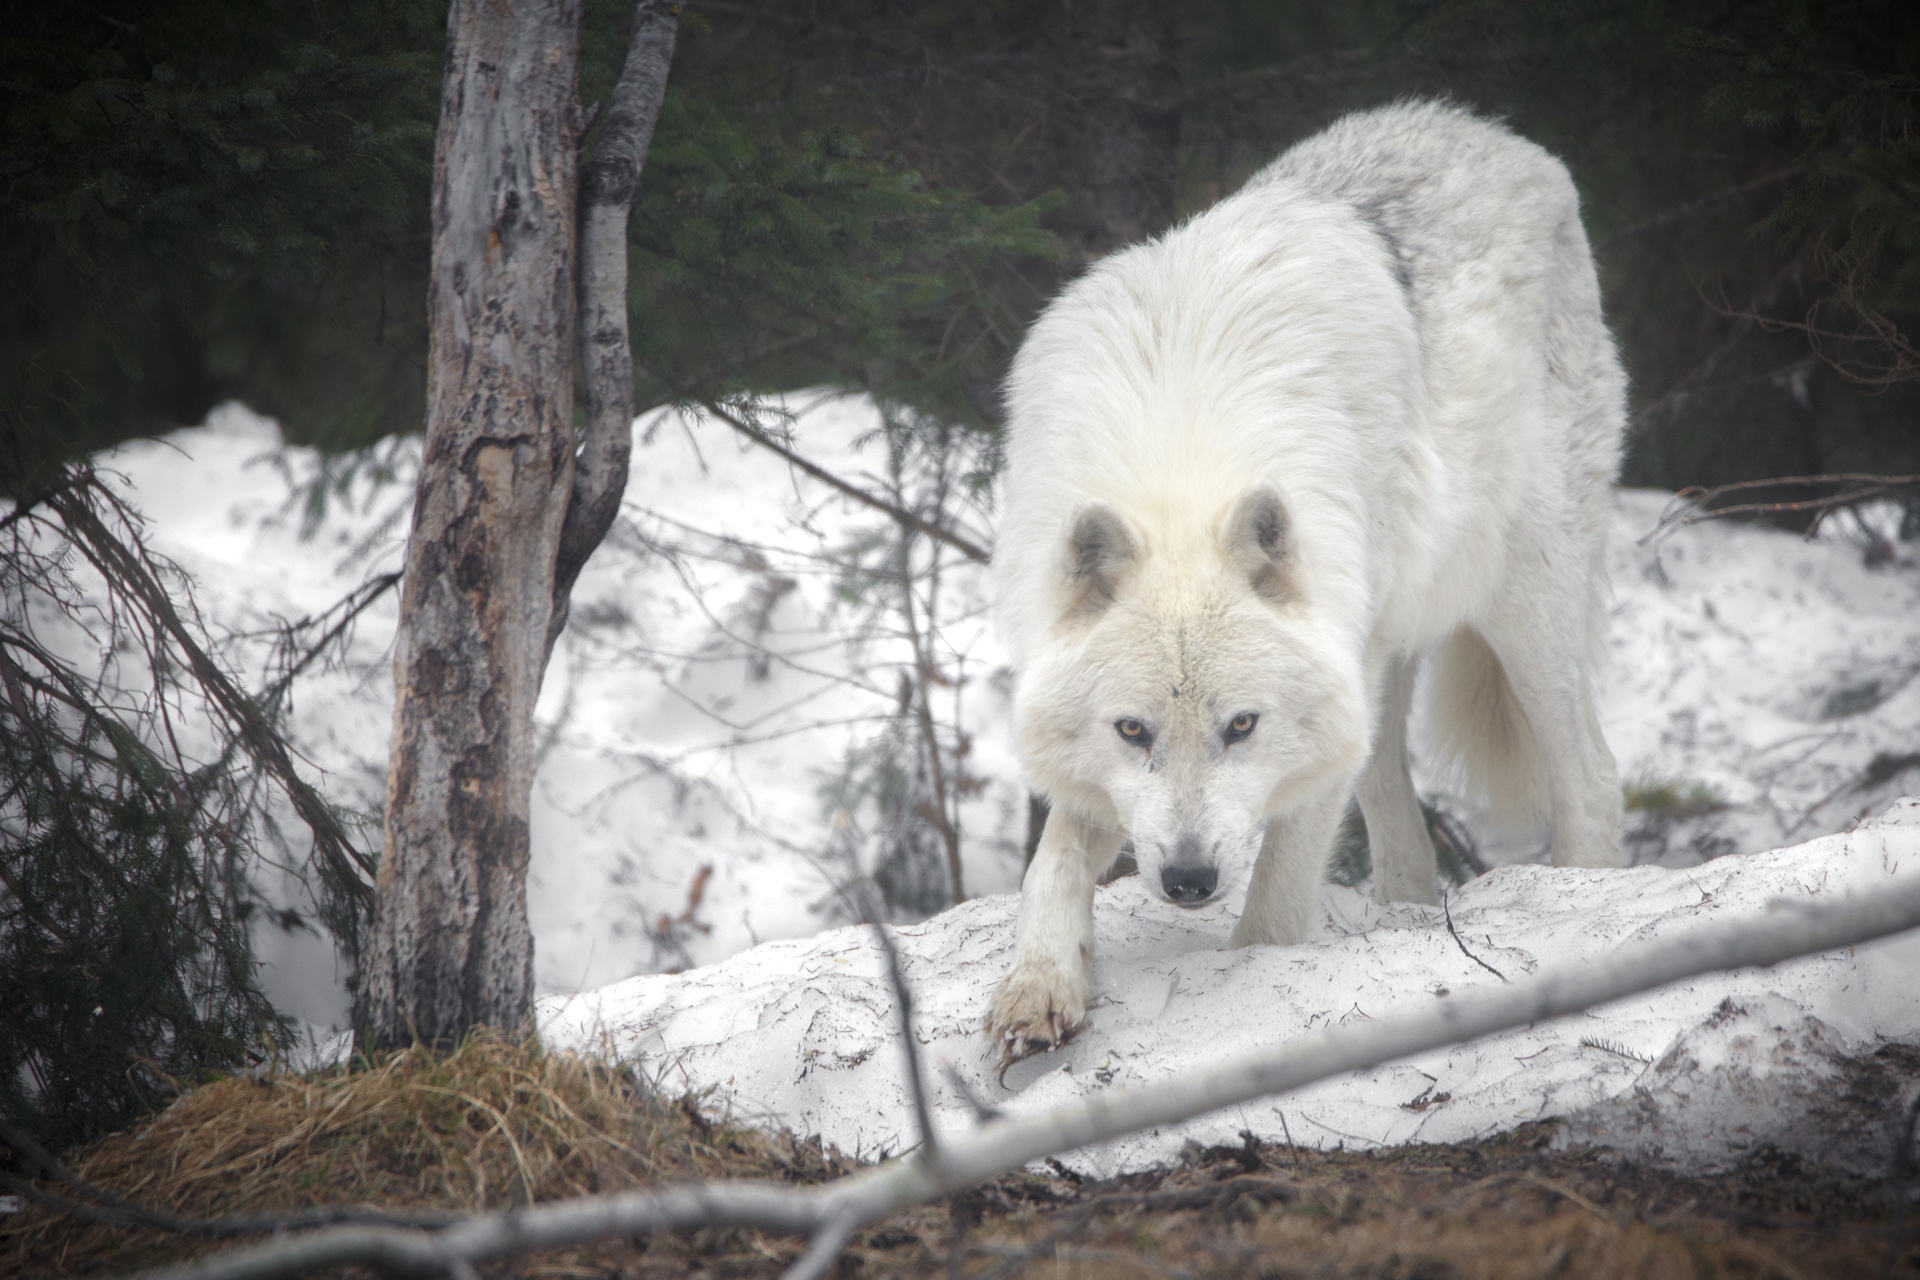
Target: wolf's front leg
(1285,889)
(1043,1000)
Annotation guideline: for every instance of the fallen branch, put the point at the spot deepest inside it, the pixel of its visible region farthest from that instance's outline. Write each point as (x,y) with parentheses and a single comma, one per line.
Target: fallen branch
(1788,932)
(959,542)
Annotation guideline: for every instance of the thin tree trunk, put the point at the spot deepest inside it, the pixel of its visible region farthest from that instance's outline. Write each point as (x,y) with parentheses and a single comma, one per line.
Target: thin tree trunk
(451,947)
(607,186)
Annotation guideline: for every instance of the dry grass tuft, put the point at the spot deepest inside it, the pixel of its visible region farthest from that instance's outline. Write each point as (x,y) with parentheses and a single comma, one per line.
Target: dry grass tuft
(491,1125)
(496,1124)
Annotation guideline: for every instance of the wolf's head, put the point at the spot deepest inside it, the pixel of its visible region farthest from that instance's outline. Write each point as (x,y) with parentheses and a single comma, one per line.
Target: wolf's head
(1185,693)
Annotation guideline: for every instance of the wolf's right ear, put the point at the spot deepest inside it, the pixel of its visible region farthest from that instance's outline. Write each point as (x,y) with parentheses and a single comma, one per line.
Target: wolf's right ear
(1100,552)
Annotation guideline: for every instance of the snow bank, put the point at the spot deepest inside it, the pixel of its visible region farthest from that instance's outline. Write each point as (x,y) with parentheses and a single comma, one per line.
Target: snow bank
(802,1034)
(714,681)
(1770,670)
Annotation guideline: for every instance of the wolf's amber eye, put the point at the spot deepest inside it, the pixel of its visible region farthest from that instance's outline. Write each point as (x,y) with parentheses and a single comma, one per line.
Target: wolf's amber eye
(1133,731)
(1241,725)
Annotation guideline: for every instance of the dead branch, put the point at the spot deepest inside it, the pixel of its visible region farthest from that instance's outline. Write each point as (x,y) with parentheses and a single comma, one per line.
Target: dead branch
(1788,931)
(1446,908)
(959,542)
(1863,344)
(1695,504)
(1701,205)
(139,577)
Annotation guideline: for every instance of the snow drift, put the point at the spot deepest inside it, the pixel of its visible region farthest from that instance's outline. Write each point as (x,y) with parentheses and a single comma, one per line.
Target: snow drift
(802,1034)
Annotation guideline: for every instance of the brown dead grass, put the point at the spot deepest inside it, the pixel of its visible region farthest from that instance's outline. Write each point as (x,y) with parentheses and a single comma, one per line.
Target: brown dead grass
(494,1125)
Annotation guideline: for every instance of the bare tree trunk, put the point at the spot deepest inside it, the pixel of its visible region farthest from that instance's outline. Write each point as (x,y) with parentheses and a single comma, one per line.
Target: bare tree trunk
(510,501)
(451,946)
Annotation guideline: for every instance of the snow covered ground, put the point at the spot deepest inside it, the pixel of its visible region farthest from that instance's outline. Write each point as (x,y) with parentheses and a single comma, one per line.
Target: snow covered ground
(803,1034)
(721,679)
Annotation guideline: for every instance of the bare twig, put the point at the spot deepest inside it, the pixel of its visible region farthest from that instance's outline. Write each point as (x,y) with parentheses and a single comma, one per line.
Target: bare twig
(922,696)
(1704,204)
(1861,343)
(910,1045)
(959,542)
(1446,908)
(1789,931)
(1695,504)
(823,1250)
(349,608)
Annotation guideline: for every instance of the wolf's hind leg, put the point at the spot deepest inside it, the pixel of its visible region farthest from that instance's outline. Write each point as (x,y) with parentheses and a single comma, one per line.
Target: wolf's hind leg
(1043,1000)
(1284,892)
(1404,867)
(1540,634)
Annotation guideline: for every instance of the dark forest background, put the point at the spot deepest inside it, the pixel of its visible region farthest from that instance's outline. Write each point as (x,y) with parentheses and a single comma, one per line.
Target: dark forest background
(205,201)
(209,201)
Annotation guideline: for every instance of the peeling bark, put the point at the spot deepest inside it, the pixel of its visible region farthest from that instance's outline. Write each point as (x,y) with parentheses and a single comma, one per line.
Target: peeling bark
(451,946)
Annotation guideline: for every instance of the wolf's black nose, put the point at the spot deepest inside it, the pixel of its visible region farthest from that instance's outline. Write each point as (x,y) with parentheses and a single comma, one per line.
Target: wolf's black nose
(1189,885)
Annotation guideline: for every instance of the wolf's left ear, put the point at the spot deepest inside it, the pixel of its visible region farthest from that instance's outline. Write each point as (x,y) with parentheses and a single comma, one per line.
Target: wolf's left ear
(1257,541)
(1100,555)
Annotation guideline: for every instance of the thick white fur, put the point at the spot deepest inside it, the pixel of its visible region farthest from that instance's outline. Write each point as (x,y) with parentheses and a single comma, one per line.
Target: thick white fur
(1395,328)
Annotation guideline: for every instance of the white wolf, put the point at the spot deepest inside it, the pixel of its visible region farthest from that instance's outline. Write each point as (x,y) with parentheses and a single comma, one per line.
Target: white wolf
(1362,411)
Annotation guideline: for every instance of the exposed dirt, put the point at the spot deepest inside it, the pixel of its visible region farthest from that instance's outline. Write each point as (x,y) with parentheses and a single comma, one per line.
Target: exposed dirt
(495,1125)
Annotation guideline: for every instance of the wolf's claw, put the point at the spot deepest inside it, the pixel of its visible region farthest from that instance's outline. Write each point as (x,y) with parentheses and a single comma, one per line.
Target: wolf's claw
(1020,1043)
(1035,1010)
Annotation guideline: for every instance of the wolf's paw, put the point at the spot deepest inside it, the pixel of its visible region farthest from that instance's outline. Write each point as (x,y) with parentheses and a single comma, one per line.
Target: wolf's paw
(1036,1008)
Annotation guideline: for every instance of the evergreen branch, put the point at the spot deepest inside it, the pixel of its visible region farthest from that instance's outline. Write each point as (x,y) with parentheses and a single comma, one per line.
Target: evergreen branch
(959,542)
(1788,932)
(355,603)
(135,573)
